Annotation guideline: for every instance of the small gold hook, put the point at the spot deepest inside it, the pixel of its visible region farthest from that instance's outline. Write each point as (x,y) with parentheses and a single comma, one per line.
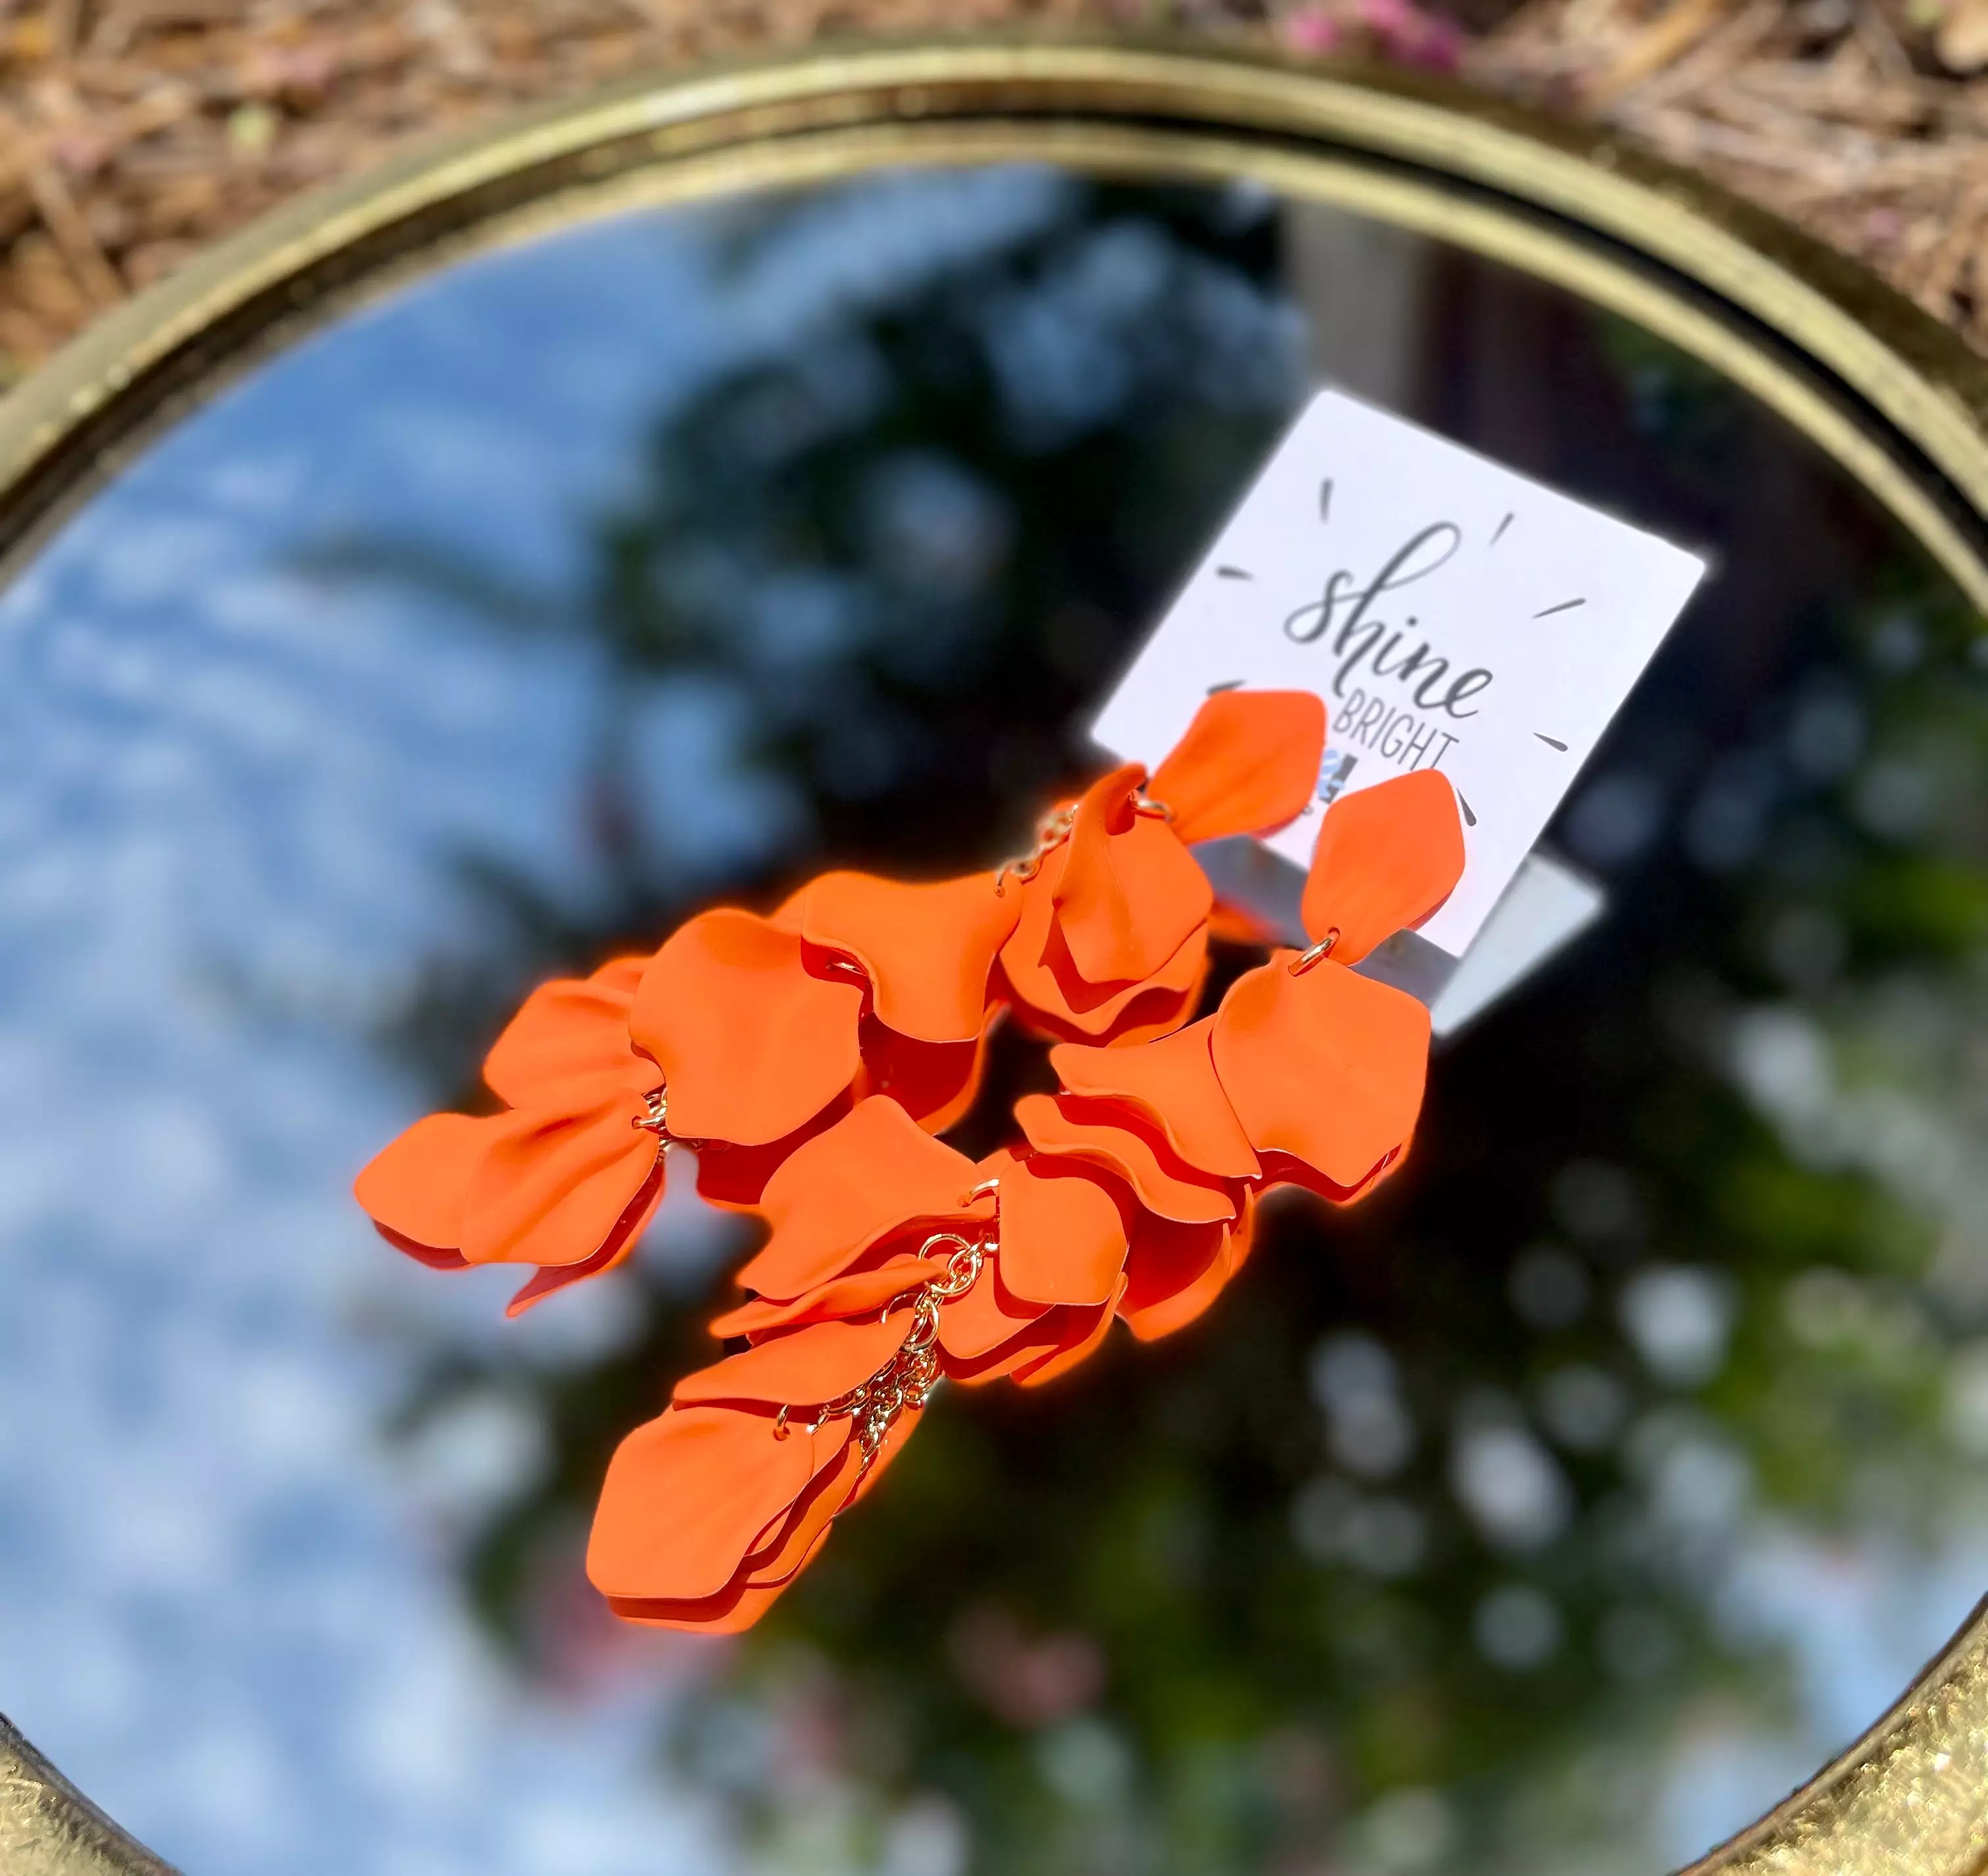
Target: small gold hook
(1318,955)
(655,1117)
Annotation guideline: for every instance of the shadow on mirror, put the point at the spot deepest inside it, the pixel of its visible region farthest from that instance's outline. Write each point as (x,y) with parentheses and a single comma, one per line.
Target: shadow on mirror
(1559,1509)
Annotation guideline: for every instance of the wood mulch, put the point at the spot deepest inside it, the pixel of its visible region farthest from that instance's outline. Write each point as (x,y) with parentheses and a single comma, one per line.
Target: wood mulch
(133,132)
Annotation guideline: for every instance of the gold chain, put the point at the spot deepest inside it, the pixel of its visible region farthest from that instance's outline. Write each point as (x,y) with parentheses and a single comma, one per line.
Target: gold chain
(656,1119)
(1054,831)
(904,1383)
(1051,834)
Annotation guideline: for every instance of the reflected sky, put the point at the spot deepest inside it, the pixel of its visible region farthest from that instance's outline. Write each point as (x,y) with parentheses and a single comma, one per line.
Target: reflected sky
(240,800)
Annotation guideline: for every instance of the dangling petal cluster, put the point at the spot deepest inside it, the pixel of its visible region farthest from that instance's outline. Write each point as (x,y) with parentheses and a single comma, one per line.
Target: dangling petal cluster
(811,1057)
(1112,941)
(566,1177)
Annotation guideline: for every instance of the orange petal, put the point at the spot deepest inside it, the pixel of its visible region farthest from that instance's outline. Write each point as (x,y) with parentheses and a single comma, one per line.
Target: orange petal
(988,1317)
(1327,1067)
(731,1611)
(926,949)
(688,1494)
(1166,1258)
(417,1189)
(734,1179)
(1102,1134)
(571,1031)
(1173,1084)
(870,1173)
(1157,1012)
(1186,1305)
(936,1083)
(1387,858)
(1175,1272)
(1283,1169)
(1128,894)
(800,1367)
(863,1292)
(782,1557)
(553,1187)
(992,1333)
(626,1235)
(1063,1235)
(1248,764)
(1241,1233)
(435,1257)
(791,1543)
(847,1483)
(1080,1334)
(1025,958)
(1053,995)
(751,1045)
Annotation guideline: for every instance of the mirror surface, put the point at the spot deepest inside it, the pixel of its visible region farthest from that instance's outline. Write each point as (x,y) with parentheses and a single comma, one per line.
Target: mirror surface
(1558,1509)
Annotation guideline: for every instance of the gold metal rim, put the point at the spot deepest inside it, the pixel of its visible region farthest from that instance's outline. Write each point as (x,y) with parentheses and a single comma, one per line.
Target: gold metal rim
(1882,388)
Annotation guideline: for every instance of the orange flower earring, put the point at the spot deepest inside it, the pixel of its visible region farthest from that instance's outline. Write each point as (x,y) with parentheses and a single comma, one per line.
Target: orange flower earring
(567,1178)
(1324,1067)
(1112,941)
(812,1057)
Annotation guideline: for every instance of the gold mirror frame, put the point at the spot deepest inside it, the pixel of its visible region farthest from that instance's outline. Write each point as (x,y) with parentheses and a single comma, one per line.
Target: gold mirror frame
(1879,386)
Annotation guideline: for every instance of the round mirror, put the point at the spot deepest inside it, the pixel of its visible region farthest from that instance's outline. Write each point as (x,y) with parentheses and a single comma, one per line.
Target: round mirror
(1560,1508)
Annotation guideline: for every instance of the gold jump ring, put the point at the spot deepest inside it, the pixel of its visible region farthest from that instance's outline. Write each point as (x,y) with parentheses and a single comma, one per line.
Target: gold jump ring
(1318,955)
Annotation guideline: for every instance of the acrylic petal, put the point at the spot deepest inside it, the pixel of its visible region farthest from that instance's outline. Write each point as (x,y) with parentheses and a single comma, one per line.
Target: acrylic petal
(988,1317)
(1248,764)
(734,1179)
(1166,1259)
(800,1367)
(688,1495)
(1175,1272)
(435,1257)
(936,1083)
(752,1046)
(870,1173)
(571,1031)
(1386,859)
(1157,1012)
(1128,894)
(1099,1133)
(1081,1333)
(626,1235)
(1327,1067)
(862,1292)
(1173,1084)
(731,1611)
(417,1188)
(994,1338)
(1063,1233)
(926,949)
(793,1546)
(1242,1232)
(1281,1169)
(1052,995)
(553,1187)
(796,1538)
